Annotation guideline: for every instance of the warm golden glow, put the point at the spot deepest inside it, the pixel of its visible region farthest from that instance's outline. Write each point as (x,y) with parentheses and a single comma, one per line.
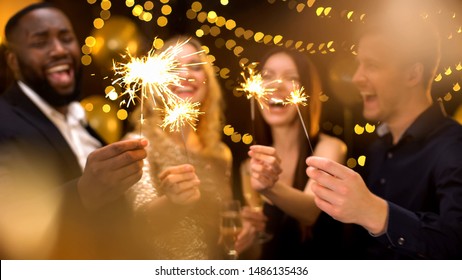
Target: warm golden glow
(148,5)
(98,23)
(86,60)
(196,6)
(178,113)
(253,86)
(106,108)
(166,10)
(122,114)
(359,129)
(456,87)
(228,130)
(362,160)
(351,163)
(90,41)
(370,128)
(297,96)
(151,74)
(106,5)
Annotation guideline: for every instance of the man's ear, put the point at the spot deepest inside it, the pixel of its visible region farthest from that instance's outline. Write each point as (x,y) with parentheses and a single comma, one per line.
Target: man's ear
(12,61)
(415,74)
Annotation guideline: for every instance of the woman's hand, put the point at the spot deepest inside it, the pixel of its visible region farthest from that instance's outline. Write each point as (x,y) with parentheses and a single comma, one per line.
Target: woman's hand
(180,184)
(255,217)
(264,167)
(246,237)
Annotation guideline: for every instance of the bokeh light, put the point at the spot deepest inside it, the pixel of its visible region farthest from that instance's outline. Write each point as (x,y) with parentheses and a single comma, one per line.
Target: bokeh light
(234,35)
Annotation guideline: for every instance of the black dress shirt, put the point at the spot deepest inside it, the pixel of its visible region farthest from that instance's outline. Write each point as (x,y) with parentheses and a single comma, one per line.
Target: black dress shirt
(421,179)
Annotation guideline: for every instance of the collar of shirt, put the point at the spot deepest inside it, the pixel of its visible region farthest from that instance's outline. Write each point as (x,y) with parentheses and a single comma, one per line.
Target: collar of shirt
(422,126)
(75,115)
(72,125)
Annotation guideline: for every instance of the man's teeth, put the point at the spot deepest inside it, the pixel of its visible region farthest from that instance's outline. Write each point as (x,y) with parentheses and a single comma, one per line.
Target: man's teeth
(58,68)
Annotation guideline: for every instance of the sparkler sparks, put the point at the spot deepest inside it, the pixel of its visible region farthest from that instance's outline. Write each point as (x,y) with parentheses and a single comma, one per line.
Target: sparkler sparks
(153,75)
(255,89)
(178,113)
(297,96)
(254,86)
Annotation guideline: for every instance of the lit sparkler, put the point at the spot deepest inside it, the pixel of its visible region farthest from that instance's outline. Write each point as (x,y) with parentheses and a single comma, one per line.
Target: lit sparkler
(255,89)
(180,112)
(177,113)
(297,96)
(151,75)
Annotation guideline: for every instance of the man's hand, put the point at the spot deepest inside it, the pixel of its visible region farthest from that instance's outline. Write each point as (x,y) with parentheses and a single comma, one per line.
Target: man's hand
(110,171)
(342,193)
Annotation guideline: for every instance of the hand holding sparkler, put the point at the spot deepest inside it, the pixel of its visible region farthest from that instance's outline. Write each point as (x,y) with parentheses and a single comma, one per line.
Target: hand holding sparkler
(180,184)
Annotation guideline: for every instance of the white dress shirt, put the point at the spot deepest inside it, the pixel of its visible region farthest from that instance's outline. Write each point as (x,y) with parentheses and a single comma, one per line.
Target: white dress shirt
(71,126)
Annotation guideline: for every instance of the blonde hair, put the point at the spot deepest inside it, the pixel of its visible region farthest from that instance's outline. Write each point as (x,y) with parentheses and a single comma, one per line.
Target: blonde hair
(210,123)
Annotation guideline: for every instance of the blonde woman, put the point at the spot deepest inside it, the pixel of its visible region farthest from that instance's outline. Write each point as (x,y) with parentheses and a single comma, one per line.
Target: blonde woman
(187,174)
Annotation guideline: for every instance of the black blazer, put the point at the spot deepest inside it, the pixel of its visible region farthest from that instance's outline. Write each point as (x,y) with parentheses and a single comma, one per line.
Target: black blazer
(35,155)
(26,130)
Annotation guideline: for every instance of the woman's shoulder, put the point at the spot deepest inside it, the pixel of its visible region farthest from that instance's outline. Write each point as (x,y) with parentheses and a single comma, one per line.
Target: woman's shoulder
(224,152)
(220,151)
(331,145)
(327,139)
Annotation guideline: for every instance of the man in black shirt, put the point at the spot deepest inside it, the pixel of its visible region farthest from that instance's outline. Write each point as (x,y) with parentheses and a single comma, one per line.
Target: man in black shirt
(410,204)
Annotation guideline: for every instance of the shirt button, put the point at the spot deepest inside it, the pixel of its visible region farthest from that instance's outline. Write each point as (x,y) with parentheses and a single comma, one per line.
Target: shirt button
(401,241)
(383,181)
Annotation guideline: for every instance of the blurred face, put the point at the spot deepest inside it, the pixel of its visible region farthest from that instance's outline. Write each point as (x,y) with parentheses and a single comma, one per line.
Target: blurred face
(46,55)
(380,79)
(194,84)
(280,73)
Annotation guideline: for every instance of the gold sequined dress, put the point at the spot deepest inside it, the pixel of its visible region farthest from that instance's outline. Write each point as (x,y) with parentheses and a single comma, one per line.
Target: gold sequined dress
(195,235)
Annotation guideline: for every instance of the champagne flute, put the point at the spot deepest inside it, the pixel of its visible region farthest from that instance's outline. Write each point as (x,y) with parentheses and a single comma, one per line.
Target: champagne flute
(255,201)
(231,226)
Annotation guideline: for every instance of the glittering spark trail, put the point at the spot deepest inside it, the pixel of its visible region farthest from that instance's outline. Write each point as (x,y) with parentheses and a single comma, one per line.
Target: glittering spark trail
(254,86)
(297,96)
(151,75)
(255,89)
(177,113)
